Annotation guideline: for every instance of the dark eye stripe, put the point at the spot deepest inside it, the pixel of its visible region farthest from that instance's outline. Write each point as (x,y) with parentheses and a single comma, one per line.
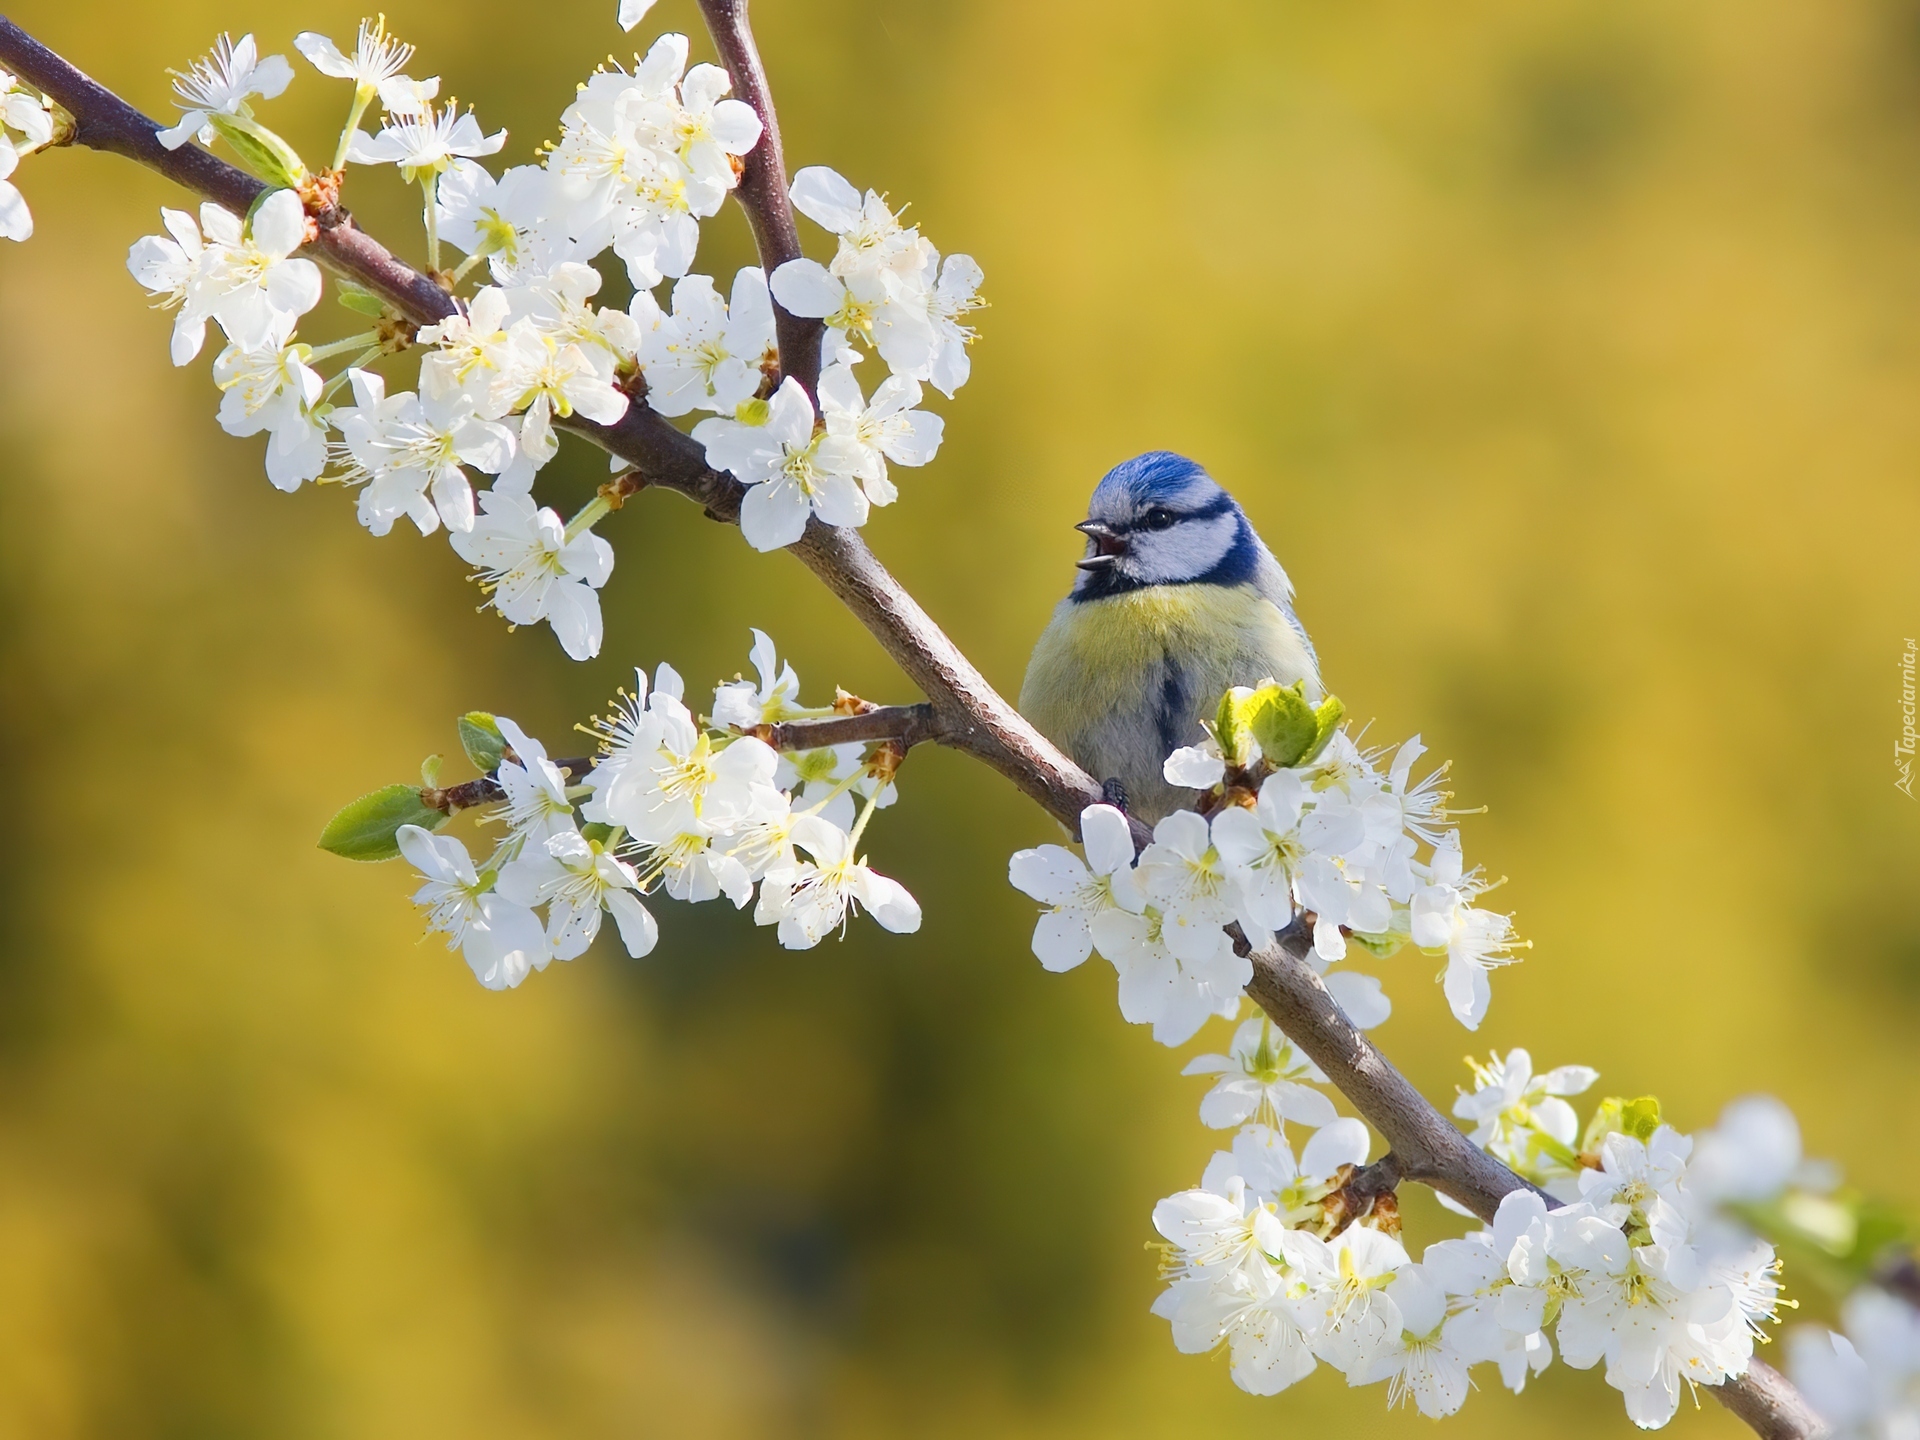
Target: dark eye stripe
(1212,510)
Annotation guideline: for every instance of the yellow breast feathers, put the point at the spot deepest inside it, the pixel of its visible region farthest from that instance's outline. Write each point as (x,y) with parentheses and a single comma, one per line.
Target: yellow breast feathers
(1100,658)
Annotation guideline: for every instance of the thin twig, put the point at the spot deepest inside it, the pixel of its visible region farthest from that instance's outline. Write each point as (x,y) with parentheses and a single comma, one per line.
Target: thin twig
(962,710)
(904,725)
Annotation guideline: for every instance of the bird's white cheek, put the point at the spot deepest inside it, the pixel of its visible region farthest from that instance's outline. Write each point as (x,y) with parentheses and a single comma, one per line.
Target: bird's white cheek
(1183,552)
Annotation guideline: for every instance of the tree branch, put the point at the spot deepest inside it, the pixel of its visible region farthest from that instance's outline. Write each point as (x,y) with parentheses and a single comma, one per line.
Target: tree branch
(962,709)
(762,191)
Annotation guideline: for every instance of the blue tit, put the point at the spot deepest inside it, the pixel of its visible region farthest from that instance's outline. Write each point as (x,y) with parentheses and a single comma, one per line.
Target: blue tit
(1176,602)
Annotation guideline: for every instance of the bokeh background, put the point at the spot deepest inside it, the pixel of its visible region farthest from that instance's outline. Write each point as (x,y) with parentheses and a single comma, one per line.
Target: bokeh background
(1567,352)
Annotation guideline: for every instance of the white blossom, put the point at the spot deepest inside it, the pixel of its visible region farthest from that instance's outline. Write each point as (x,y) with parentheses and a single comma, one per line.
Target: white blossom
(374,67)
(502,941)
(1261,848)
(1521,1118)
(16,220)
(632,12)
(1077,891)
(1347,1306)
(791,473)
(954,295)
(630,732)
(505,219)
(221,83)
(425,141)
(537,806)
(644,157)
(532,571)
(742,704)
(170,266)
(886,428)
(1262,1078)
(1420,1364)
(550,380)
(682,797)
(1183,874)
(1864,1383)
(1161,989)
(1475,941)
(26,124)
(1195,767)
(409,450)
(1751,1155)
(709,354)
(471,353)
(275,390)
(576,879)
(812,899)
(247,277)
(1489,1319)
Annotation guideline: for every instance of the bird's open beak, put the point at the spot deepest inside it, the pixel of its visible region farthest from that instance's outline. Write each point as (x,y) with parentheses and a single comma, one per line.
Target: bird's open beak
(1104,544)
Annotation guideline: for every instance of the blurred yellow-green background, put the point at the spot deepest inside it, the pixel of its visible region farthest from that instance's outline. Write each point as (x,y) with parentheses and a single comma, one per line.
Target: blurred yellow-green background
(1566,351)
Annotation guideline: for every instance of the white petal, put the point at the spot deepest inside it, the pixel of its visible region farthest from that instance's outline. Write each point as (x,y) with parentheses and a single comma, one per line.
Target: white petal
(1344,1142)
(774,516)
(574,612)
(825,198)
(806,288)
(1359,997)
(1108,838)
(1049,873)
(1061,940)
(637,928)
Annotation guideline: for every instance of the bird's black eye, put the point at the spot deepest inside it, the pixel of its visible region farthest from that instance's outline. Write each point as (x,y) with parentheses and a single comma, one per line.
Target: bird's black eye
(1158,518)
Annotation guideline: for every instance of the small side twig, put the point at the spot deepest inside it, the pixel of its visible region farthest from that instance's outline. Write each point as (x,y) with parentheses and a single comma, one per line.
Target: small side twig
(488,791)
(904,725)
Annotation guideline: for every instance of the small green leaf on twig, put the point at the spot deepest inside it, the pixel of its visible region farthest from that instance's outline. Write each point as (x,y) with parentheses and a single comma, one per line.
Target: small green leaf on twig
(480,737)
(1284,724)
(365,829)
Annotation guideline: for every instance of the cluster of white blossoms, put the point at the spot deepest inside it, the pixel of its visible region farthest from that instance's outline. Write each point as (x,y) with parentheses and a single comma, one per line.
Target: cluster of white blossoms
(643,157)
(886,289)
(1268,1260)
(26,125)
(675,803)
(1309,823)
(1863,1380)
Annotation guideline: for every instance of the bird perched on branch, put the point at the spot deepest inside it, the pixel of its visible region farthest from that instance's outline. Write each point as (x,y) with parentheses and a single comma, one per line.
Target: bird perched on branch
(1177,601)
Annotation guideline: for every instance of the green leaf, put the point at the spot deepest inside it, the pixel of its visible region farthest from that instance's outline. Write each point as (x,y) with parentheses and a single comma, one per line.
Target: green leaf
(1326,720)
(1230,725)
(360,300)
(480,737)
(365,829)
(1638,1118)
(1379,946)
(1284,724)
(430,771)
(593,830)
(263,152)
